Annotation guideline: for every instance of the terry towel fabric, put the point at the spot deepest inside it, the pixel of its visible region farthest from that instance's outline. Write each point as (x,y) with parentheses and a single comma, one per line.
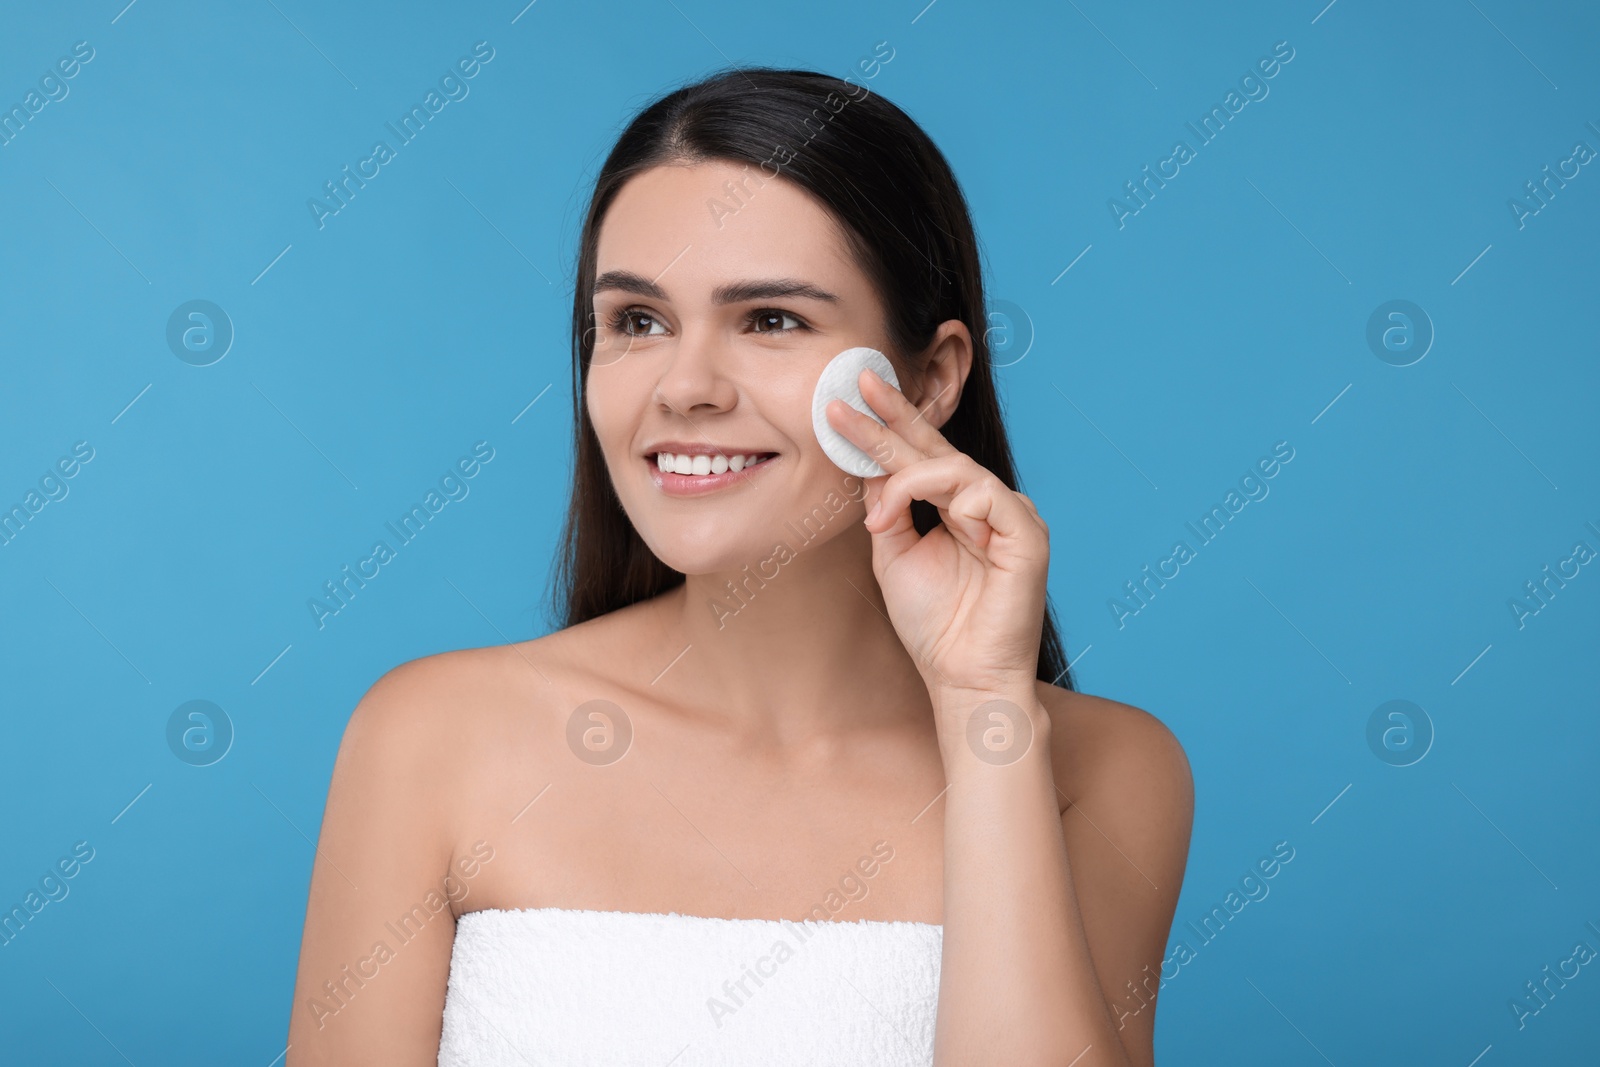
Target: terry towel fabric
(555,986)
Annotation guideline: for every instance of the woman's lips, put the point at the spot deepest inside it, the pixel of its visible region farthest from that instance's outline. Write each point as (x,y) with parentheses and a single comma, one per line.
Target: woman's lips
(675,484)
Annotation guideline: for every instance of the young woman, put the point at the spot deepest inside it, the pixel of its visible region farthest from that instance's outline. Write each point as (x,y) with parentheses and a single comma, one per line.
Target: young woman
(804,778)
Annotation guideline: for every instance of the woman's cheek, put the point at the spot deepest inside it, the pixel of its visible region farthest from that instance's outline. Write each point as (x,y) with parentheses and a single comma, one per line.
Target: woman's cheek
(605,394)
(602,412)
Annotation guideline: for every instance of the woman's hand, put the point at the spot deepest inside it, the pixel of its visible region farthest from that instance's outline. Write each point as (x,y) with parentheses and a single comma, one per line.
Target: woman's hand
(968,598)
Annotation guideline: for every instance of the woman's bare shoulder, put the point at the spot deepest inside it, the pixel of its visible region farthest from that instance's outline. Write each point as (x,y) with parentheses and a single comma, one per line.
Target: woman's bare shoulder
(430,757)
(1101,746)
(462,708)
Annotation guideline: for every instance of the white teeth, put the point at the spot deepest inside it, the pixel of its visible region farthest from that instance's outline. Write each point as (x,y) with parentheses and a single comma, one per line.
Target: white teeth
(681,463)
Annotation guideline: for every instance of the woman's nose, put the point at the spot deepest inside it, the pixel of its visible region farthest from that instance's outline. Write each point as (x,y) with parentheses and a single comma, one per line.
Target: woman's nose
(695,374)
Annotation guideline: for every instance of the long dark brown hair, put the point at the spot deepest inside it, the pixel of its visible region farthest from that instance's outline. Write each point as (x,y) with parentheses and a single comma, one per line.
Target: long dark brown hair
(908,226)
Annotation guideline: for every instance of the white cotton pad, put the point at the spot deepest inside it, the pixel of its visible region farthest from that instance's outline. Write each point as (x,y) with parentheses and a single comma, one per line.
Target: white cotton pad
(838,381)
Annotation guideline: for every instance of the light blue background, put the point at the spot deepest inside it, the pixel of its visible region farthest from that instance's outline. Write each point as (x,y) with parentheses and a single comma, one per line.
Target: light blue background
(428,314)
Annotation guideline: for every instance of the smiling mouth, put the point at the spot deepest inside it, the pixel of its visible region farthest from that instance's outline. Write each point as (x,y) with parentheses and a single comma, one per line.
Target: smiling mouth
(702,465)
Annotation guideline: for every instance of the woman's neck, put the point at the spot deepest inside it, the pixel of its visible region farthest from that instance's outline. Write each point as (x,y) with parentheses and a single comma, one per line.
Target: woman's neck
(793,644)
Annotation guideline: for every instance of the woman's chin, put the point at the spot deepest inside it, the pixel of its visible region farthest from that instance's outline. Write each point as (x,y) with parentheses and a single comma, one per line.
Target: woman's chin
(704,556)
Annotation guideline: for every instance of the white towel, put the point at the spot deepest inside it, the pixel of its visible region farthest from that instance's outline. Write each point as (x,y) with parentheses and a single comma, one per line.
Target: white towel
(554,986)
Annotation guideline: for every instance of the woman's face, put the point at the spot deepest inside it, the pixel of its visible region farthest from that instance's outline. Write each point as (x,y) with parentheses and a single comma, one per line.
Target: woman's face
(721,294)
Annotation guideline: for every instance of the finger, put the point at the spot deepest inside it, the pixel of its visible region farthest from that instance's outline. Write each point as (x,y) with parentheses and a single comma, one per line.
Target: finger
(1033,509)
(935,479)
(964,518)
(902,416)
(891,451)
(892,534)
(987,510)
(961,488)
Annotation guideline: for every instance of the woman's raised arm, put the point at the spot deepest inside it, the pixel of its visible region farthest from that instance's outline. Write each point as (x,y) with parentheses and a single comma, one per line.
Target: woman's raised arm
(1019,981)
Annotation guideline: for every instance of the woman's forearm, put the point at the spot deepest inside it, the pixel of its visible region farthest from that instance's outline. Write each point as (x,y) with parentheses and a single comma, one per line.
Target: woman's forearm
(1017,985)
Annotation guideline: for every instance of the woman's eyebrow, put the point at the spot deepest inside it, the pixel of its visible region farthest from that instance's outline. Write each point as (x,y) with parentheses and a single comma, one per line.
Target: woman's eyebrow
(737,292)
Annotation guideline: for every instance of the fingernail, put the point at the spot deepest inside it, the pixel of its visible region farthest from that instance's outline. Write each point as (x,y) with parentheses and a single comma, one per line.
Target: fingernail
(873,513)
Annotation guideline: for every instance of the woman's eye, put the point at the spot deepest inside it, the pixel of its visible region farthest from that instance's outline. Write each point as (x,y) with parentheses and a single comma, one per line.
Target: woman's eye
(633,322)
(623,321)
(767,315)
